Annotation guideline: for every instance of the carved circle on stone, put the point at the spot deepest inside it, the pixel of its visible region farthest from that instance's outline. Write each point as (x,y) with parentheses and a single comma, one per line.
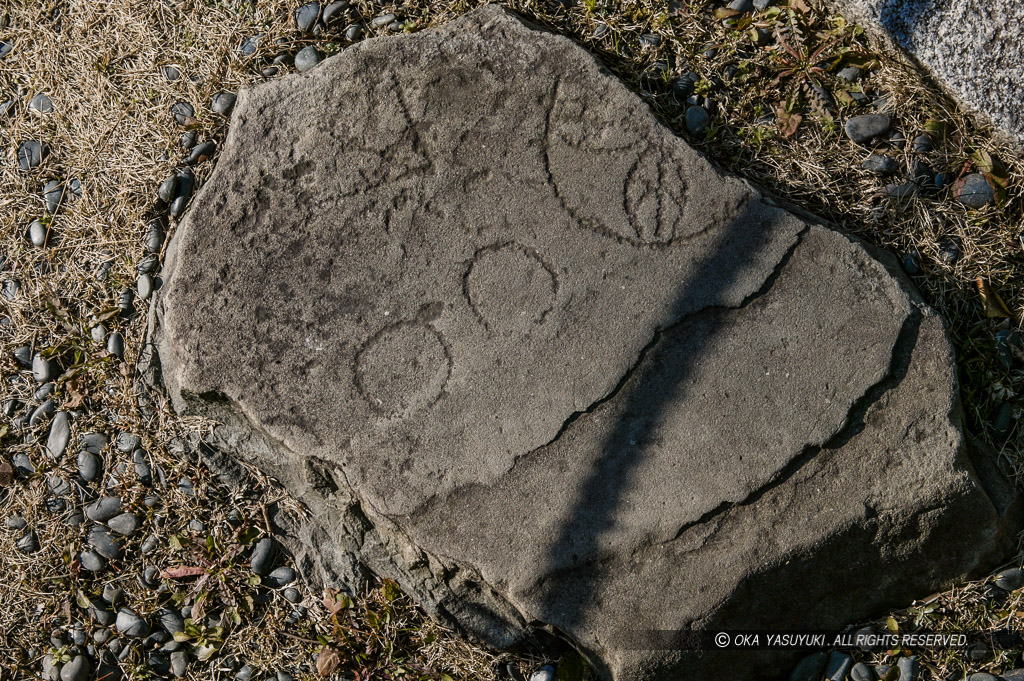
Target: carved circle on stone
(403,368)
(640,197)
(510,287)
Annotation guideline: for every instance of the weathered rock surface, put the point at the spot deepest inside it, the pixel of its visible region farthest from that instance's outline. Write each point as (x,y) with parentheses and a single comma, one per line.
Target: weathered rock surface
(971,47)
(528,353)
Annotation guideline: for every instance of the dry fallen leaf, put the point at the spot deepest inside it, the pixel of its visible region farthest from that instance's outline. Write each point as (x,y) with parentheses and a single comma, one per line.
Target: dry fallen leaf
(6,473)
(327,661)
(182,571)
(995,308)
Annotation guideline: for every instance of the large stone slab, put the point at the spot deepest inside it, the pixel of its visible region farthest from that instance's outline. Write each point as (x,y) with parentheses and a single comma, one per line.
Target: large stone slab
(973,48)
(523,350)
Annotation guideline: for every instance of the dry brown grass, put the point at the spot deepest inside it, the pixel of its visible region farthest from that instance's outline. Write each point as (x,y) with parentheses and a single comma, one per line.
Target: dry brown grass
(100,62)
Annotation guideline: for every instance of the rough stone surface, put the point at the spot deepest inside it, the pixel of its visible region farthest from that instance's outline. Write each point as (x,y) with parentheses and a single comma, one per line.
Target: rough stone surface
(526,352)
(971,47)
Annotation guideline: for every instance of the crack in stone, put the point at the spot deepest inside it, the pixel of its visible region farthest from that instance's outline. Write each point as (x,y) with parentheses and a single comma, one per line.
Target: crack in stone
(899,363)
(765,287)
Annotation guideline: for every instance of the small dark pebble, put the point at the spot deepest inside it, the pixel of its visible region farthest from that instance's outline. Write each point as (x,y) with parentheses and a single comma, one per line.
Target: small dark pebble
(849,74)
(5,48)
(864,128)
(201,152)
(279,577)
(43,369)
(115,345)
(125,524)
(223,102)
(148,264)
(171,73)
(896,139)
(22,465)
(142,470)
(166,189)
(880,165)
(307,58)
(334,11)
(100,613)
(975,192)
(23,355)
(92,561)
(292,595)
(382,20)
(184,113)
(32,153)
(742,5)
(16,522)
(103,509)
(42,412)
(131,624)
(149,578)
(270,71)
(809,668)
(263,556)
(354,32)
(94,443)
(41,104)
(306,16)
(838,666)
(104,543)
(159,663)
(144,285)
(38,234)
(78,669)
(949,251)
(113,595)
(78,635)
(250,45)
(126,300)
(900,191)
(908,668)
(1004,419)
(179,663)
(53,194)
(697,120)
(923,143)
(44,391)
(28,543)
(154,238)
(922,174)
(60,434)
(171,620)
(1010,580)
